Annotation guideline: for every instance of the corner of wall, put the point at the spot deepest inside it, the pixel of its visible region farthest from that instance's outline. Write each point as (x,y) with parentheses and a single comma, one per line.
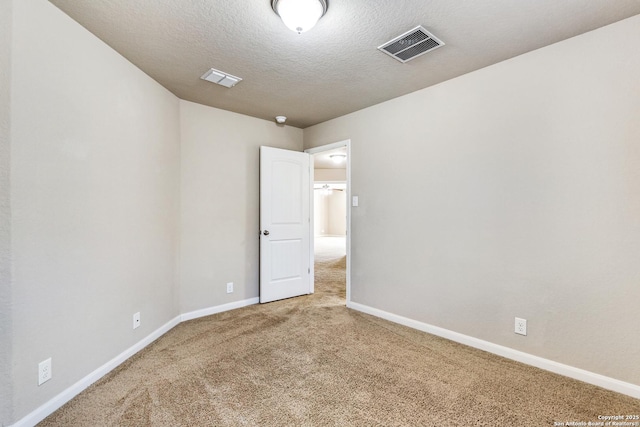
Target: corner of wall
(6,380)
(534,171)
(219,202)
(116,184)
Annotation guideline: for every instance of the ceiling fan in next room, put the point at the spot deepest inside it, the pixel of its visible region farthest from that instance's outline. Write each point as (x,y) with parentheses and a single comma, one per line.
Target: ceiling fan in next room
(327,189)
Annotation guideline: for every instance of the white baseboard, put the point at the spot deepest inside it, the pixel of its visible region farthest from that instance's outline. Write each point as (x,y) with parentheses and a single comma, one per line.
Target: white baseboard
(608,383)
(218,309)
(56,403)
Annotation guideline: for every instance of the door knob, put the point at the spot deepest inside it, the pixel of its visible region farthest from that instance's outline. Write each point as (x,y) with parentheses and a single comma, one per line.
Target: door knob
(265,232)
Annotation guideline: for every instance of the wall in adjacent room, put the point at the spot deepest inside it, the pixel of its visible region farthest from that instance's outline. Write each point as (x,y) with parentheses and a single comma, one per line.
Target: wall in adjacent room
(320,214)
(95,205)
(336,175)
(337,213)
(517,194)
(330,213)
(220,202)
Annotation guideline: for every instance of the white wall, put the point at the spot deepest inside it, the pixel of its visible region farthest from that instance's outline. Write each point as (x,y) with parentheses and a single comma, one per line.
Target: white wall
(337,212)
(334,175)
(320,214)
(94,193)
(220,202)
(6,381)
(517,194)
(330,213)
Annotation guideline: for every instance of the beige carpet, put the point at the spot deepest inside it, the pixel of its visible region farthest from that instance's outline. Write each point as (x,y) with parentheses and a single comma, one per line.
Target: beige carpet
(309,361)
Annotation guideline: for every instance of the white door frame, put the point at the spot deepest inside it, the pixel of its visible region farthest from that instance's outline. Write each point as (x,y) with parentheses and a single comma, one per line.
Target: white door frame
(320,149)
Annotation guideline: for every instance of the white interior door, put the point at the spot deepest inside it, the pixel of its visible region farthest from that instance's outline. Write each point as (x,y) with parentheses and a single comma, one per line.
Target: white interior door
(285,224)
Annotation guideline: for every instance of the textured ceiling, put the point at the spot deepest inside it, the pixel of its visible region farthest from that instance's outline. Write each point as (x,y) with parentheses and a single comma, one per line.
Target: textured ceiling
(335,68)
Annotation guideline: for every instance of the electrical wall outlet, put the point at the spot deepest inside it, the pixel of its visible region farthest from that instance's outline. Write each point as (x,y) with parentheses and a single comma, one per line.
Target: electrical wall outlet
(44,371)
(136,320)
(230,287)
(521,326)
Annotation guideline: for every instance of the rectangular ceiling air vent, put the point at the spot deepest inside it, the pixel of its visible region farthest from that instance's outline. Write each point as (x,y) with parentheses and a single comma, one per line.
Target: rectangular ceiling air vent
(221,78)
(411,44)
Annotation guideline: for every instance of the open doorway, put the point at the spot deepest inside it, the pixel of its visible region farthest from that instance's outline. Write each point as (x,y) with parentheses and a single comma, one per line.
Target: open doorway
(331,215)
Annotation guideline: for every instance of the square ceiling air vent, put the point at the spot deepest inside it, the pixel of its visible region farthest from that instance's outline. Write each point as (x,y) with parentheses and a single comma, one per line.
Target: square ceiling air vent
(411,44)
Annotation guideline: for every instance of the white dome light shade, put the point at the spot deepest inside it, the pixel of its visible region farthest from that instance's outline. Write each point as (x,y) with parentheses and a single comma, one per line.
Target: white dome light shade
(338,158)
(300,15)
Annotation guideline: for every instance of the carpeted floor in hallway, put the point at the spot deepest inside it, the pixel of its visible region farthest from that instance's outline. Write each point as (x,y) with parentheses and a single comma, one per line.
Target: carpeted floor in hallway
(310,361)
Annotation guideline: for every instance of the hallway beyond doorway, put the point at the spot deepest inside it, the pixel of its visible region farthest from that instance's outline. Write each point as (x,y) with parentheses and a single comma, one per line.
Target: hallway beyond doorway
(327,247)
(331,265)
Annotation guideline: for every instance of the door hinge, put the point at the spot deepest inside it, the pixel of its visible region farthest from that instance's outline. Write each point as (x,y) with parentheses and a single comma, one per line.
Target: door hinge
(309,270)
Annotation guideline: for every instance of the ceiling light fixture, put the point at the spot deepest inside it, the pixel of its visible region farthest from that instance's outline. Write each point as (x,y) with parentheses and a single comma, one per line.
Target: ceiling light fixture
(338,158)
(300,15)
